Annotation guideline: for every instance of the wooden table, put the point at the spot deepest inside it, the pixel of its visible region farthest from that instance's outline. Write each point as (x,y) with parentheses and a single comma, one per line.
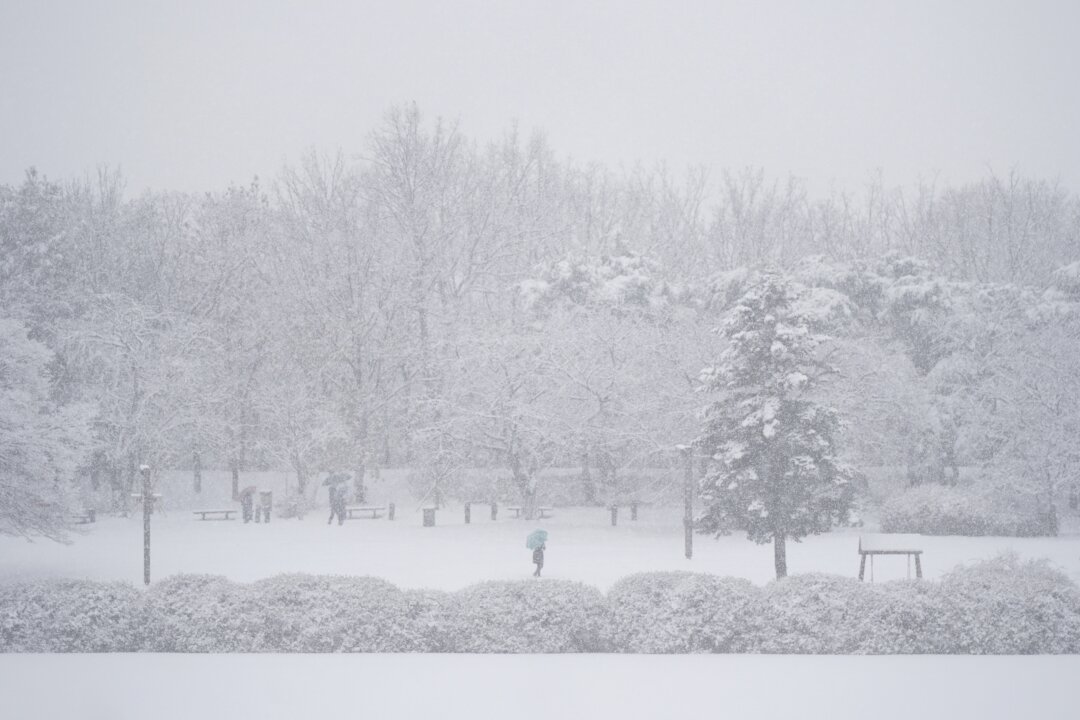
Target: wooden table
(889,545)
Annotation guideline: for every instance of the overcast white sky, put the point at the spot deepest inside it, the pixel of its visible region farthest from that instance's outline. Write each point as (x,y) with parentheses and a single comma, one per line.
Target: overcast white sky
(194,95)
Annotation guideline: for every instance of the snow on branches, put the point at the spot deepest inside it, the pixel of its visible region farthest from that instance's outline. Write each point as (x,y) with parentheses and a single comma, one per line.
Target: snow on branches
(774,470)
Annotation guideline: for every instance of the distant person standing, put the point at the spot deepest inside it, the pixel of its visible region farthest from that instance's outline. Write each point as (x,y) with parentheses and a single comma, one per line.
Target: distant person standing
(538,559)
(247,503)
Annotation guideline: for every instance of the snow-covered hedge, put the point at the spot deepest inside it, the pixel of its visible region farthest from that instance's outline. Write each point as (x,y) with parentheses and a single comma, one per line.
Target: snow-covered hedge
(1002,606)
(313,613)
(1005,606)
(682,612)
(940,510)
(202,613)
(528,616)
(71,616)
(285,613)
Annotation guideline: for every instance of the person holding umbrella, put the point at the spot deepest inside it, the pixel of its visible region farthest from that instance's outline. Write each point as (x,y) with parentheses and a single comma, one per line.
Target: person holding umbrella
(537,542)
(336,484)
(247,502)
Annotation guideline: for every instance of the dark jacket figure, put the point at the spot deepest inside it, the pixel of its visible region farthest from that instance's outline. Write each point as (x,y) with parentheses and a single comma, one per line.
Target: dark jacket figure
(337,504)
(538,559)
(247,503)
(266,502)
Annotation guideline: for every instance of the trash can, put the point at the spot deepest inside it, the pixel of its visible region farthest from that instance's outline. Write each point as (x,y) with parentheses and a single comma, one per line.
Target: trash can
(429,517)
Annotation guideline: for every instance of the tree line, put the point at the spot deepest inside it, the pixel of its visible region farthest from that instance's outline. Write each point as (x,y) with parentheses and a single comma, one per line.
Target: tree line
(444,304)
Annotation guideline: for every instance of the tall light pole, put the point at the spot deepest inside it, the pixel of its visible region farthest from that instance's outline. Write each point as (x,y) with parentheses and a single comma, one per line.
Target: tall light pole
(688,499)
(147,505)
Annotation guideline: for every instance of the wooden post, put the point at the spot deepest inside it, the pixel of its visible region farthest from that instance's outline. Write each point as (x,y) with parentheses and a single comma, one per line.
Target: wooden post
(494,510)
(468,513)
(390,512)
(918,565)
(688,501)
(198,472)
(148,502)
(614,515)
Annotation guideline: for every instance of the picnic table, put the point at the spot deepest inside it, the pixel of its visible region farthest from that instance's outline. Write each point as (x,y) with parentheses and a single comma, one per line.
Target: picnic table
(887,544)
(225,514)
(543,511)
(373,510)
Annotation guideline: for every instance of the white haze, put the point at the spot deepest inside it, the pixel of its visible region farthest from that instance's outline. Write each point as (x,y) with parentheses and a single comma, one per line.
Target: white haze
(196,95)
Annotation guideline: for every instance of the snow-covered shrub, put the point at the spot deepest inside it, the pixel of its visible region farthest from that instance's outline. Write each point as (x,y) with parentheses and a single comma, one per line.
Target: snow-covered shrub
(682,612)
(327,613)
(1005,606)
(817,614)
(897,617)
(941,510)
(427,612)
(528,616)
(70,616)
(203,613)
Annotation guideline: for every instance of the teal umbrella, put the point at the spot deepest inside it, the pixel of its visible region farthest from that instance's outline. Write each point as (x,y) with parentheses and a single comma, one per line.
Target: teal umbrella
(536,539)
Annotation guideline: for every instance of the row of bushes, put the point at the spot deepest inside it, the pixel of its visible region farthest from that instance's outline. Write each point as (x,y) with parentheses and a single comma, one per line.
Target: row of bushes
(997,607)
(965,510)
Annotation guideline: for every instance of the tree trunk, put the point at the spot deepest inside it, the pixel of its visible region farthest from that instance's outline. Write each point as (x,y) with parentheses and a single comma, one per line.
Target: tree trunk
(359,489)
(235,479)
(301,474)
(587,486)
(780,555)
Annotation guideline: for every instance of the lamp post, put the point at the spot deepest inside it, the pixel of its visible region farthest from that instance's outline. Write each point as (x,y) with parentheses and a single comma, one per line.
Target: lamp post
(688,500)
(147,505)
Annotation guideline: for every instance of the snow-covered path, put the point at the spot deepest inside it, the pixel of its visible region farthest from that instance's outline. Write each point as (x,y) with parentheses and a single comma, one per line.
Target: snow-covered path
(180,687)
(583,546)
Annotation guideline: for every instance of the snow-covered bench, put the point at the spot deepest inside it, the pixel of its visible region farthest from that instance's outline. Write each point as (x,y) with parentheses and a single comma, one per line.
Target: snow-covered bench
(214,514)
(889,544)
(374,510)
(543,511)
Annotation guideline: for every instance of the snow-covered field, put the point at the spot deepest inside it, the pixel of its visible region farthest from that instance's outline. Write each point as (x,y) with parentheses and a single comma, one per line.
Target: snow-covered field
(583,546)
(180,687)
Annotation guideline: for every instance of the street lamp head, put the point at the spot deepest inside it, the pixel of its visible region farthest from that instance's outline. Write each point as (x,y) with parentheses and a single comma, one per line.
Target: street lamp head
(144,469)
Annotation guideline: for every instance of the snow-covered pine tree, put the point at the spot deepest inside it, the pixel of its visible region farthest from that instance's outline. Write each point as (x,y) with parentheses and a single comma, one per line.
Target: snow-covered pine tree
(774,470)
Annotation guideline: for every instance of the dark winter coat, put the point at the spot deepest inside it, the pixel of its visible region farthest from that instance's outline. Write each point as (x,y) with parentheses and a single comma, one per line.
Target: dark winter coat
(338,496)
(538,555)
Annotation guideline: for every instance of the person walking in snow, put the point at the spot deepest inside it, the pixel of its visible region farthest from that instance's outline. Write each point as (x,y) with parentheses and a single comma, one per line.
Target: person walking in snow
(538,559)
(337,504)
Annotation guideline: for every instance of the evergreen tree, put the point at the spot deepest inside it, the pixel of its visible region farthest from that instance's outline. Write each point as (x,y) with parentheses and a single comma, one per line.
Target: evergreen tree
(774,470)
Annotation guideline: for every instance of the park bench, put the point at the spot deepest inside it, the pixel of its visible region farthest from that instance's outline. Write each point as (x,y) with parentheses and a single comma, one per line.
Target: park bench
(225,514)
(84,517)
(542,512)
(886,544)
(374,510)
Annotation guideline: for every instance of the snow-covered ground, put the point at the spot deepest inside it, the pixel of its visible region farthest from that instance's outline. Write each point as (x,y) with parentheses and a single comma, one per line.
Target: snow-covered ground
(583,546)
(180,687)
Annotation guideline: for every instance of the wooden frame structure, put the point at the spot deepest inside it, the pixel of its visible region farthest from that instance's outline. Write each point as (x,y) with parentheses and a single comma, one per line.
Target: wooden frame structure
(863,553)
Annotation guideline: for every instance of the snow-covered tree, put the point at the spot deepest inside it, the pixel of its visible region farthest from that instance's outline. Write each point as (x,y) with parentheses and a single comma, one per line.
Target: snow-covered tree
(775,471)
(41,444)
